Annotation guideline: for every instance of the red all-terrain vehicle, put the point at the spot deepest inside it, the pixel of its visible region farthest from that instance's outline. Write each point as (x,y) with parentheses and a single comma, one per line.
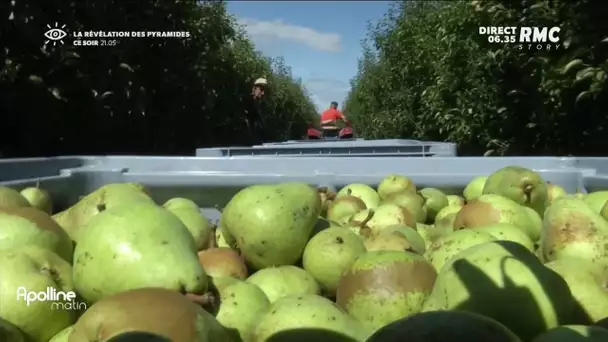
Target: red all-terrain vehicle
(330,132)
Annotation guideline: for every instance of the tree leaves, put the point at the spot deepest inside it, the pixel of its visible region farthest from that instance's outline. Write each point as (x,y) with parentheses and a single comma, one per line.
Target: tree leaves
(142,96)
(428,74)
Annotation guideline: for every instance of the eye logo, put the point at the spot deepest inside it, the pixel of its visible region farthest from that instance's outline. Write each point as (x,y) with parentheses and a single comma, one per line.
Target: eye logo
(55,34)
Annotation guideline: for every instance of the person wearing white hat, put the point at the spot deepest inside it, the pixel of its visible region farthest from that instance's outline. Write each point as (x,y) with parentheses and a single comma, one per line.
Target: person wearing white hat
(254,116)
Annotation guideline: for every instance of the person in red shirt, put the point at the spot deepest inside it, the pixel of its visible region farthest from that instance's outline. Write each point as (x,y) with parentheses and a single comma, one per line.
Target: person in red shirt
(331,115)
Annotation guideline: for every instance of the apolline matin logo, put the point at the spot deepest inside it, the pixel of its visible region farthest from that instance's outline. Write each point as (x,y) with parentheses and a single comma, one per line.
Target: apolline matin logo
(59,300)
(526,38)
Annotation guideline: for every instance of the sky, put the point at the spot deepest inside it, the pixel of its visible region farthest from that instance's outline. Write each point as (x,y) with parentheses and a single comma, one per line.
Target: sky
(319,40)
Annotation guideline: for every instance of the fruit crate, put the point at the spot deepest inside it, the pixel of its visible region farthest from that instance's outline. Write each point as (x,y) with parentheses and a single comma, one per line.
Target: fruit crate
(337,148)
(211,182)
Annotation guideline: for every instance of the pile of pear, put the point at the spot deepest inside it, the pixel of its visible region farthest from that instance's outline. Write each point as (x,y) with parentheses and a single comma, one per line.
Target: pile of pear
(510,258)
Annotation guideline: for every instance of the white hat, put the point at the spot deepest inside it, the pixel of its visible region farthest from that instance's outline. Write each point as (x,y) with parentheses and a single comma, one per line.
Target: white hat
(261,81)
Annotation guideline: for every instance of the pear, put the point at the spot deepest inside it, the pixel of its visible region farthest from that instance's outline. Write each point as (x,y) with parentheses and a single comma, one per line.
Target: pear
(536,223)
(133,246)
(393,184)
(190,215)
(508,232)
(383,216)
(431,232)
(179,203)
(63,335)
(21,226)
(271,224)
(413,202)
(344,207)
(573,229)
(327,198)
(241,306)
(489,209)
(502,274)
(222,262)
(366,193)
(522,185)
(159,312)
(397,238)
(328,254)
(446,211)
(11,333)
(573,333)
(278,282)
(475,188)
(596,200)
(12,198)
(220,239)
(580,195)
(74,218)
(444,326)
(33,269)
(455,200)
(381,287)
(554,192)
(445,247)
(38,198)
(587,282)
(292,318)
(434,201)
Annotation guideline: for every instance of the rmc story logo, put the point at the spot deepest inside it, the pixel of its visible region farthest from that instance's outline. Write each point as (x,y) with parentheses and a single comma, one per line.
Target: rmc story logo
(526,38)
(59,300)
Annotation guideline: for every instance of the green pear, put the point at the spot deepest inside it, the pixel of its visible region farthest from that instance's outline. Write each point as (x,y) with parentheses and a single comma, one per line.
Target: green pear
(411,201)
(28,270)
(446,211)
(488,209)
(344,207)
(503,274)
(63,335)
(327,198)
(220,239)
(393,184)
(366,193)
(508,232)
(587,282)
(381,287)
(165,314)
(278,282)
(133,246)
(431,232)
(198,225)
(297,315)
(383,216)
(397,238)
(536,223)
(179,203)
(475,188)
(573,333)
(11,333)
(38,198)
(434,201)
(328,254)
(223,262)
(21,226)
(455,200)
(522,185)
(271,224)
(554,192)
(445,247)
(12,198)
(596,200)
(571,228)
(444,326)
(74,218)
(241,305)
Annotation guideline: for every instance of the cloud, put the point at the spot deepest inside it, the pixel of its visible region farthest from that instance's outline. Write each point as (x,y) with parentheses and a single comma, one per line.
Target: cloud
(279,30)
(324,90)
